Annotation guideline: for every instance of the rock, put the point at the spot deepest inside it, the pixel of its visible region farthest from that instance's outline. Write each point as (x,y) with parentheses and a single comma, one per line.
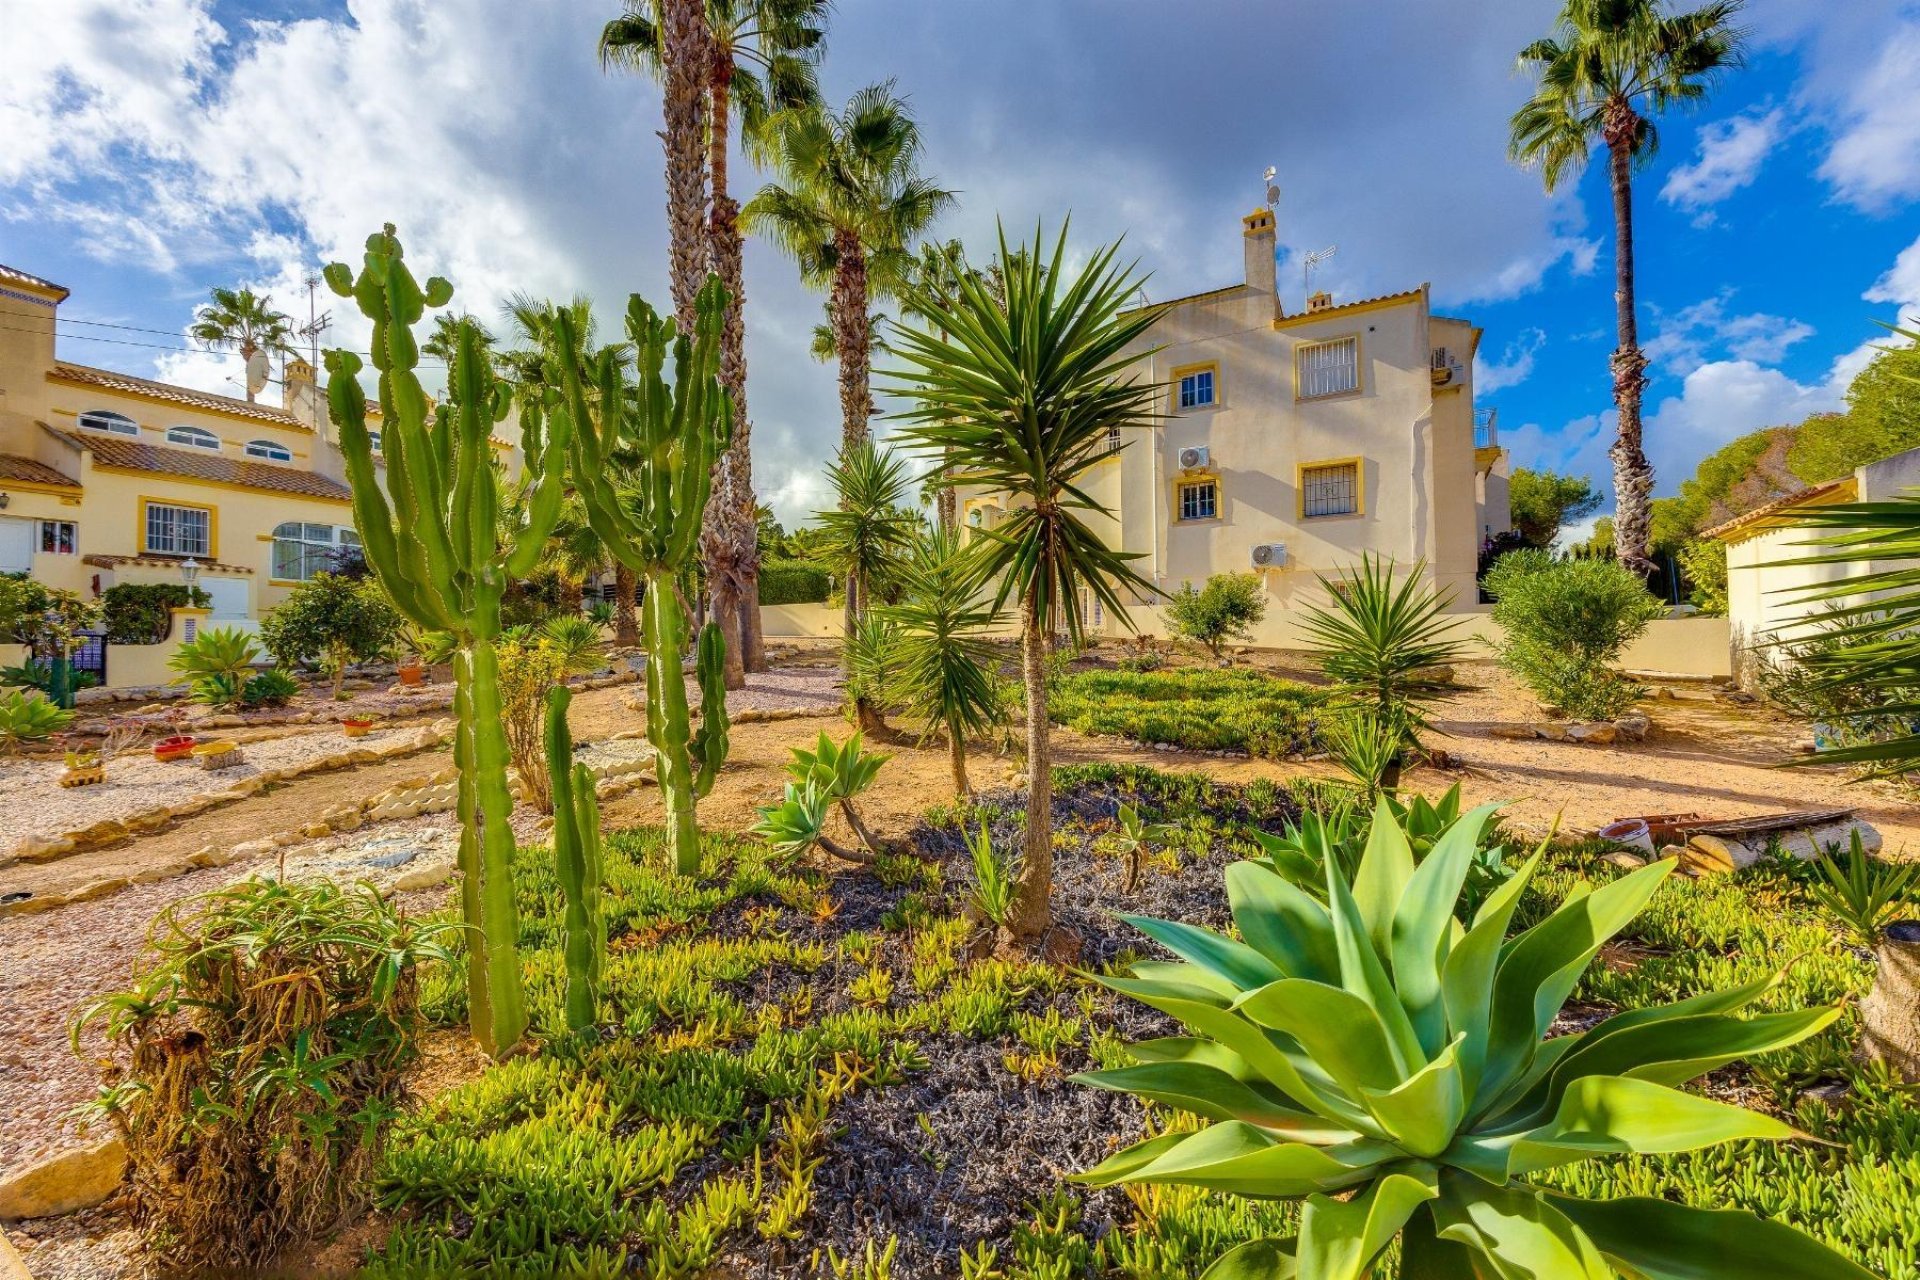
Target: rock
(98,889)
(151,709)
(12,1265)
(245,849)
(1439,673)
(1624,860)
(1515,732)
(1550,731)
(72,1180)
(106,831)
(423,877)
(162,871)
(1633,726)
(1600,735)
(316,830)
(43,848)
(150,821)
(1831,1093)
(1710,856)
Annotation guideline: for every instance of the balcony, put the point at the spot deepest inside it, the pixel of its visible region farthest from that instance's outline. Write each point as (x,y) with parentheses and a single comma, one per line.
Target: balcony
(1486,434)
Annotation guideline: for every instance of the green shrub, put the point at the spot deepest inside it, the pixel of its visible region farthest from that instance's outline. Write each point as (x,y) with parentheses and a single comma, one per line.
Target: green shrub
(255,1063)
(140,612)
(275,688)
(216,664)
(1200,710)
(794,582)
(1704,562)
(330,622)
(1226,608)
(1383,1050)
(28,717)
(1566,623)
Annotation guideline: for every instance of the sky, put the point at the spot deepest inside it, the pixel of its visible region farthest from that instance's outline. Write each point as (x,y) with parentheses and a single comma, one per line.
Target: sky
(152,149)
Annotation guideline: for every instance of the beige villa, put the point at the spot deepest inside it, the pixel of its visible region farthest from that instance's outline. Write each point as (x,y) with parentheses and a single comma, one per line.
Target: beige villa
(1291,444)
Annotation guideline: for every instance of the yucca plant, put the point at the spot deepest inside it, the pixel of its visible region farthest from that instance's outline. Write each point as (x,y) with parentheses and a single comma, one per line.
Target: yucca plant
(994,877)
(1864,895)
(1133,833)
(576,639)
(27,716)
(1377,1049)
(215,664)
(1379,638)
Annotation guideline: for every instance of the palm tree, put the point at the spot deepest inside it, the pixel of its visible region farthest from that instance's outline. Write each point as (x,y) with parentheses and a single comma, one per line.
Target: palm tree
(760,56)
(946,662)
(862,541)
(1017,397)
(851,205)
(1608,67)
(240,320)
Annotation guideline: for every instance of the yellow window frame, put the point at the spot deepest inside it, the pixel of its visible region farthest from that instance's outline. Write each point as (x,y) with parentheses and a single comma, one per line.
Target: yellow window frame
(1180,372)
(213,525)
(1359,366)
(1194,479)
(1359,465)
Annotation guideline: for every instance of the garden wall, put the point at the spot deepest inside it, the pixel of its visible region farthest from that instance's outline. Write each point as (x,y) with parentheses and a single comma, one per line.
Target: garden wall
(129,666)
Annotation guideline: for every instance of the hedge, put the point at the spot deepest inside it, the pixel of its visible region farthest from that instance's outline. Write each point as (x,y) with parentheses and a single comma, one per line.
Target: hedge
(793,582)
(138,612)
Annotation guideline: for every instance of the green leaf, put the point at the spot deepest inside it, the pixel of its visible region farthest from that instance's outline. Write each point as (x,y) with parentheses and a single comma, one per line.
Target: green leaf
(1518,1235)
(1283,922)
(1467,981)
(1212,1093)
(1423,922)
(1338,1030)
(1237,962)
(1269,1259)
(1542,965)
(1381,879)
(1122,1165)
(1340,1239)
(1242,1159)
(1666,1241)
(1608,1115)
(1362,973)
(1423,1114)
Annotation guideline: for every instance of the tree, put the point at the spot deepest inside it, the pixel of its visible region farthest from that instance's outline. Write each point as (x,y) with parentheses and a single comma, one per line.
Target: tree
(1566,623)
(1017,397)
(1226,608)
(1544,503)
(240,320)
(946,663)
(864,539)
(1609,66)
(1882,419)
(760,57)
(332,621)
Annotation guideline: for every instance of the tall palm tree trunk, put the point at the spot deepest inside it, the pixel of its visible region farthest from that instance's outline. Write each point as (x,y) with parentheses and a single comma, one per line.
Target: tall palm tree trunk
(683,45)
(852,329)
(1032,911)
(626,623)
(1632,473)
(721,539)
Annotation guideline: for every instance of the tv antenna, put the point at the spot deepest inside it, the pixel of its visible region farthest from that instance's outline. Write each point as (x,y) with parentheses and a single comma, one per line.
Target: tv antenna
(1273,192)
(1312,260)
(318,321)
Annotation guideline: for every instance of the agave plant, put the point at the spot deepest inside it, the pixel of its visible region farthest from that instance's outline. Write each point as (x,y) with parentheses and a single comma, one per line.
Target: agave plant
(28,717)
(215,664)
(1132,833)
(838,774)
(1376,1049)
(798,825)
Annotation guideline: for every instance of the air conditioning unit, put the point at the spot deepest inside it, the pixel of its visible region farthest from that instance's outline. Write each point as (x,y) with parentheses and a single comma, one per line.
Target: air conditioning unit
(1194,457)
(1269,555)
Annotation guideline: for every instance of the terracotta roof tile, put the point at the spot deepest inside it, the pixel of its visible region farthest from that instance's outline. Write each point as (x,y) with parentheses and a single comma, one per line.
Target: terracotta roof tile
(160,562)
(194,464)
(1763,516)
(14,275)
(27,471)
(131,385)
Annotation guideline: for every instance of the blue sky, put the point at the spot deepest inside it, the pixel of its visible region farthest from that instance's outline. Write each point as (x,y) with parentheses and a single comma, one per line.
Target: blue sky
(152,148)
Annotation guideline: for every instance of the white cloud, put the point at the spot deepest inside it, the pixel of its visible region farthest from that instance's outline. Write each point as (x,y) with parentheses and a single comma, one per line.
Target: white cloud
(1731,153)
(1514,367)
(1686,339)
(1900,286)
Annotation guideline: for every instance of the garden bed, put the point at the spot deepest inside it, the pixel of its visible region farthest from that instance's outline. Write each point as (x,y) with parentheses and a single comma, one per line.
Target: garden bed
(1196,709)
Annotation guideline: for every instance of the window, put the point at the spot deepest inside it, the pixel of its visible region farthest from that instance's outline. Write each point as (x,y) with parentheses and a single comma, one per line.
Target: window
(1093,610)
(1199,500)
(1195,386)
(301,550)
(1113,438)
(59,537)
(269,450)
(374,436)
(1329,368)
(118,424)
(193,438)
(179,531)
(1330,489)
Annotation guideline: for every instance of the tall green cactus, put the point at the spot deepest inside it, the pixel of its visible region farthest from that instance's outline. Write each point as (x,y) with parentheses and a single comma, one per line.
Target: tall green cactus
(576,847)
(647,514)
(430,530)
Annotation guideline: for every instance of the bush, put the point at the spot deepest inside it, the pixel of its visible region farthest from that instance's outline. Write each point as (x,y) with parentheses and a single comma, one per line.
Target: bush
(273,688)
(216,664)
(1226,608)
(256,1061)
(138,612)
(530,665)
(330,621)
(28,717)
(1566,623)
(22,604)
(793,582)
(1201,710)
(1704,562)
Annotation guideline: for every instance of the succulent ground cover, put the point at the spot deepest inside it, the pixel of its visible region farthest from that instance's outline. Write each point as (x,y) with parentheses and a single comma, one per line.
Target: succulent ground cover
(801,1074)
(1195,708)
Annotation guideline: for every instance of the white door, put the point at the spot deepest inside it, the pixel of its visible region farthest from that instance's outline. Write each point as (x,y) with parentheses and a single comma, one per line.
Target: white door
(229,597)
(16,544)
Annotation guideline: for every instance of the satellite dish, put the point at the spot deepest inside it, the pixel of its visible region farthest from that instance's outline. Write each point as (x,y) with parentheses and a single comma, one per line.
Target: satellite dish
(1273,194)
(258,369)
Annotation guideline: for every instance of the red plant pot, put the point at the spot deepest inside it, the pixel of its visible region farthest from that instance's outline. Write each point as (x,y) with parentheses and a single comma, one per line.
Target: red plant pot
(356,728)
(178,747)
(413,675)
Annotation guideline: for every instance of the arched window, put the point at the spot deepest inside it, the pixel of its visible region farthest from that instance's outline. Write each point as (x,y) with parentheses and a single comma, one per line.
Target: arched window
(193,437)
(374,436)
(270,450)
(118,424)
(301,550)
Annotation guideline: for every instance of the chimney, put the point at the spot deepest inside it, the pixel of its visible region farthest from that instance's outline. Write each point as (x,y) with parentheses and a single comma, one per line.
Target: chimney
(1321,301)
(1259,237)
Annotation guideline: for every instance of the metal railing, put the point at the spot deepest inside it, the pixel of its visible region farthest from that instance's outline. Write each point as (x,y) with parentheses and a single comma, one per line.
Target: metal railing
(1485,431)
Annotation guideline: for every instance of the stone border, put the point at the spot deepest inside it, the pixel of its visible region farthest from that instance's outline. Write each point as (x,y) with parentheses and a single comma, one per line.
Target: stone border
(1631,727)
(409,798)
(110,831)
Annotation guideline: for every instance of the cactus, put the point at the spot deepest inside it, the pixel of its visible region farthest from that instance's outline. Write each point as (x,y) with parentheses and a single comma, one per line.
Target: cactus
(576,848)
(430,530)
(647,514)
